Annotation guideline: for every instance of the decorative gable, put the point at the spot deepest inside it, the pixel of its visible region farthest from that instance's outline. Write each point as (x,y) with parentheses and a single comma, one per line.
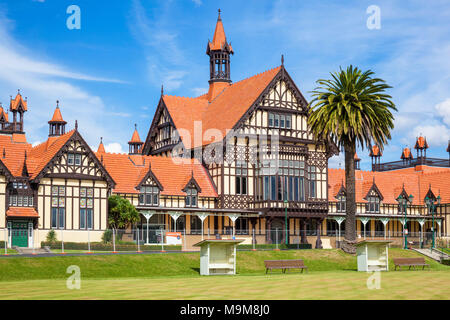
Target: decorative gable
(374,192)
(75,160)
(150,180)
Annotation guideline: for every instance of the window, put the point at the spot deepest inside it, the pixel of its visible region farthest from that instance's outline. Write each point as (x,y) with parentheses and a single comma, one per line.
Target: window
(312,182)
(149,196)
(196,225)
(191,197)
(283,121)
(20,195)
(241,226)
(241,177)
(341,204)
(373,204)
(74,158)
(86,208)
(58,207)
(290,182)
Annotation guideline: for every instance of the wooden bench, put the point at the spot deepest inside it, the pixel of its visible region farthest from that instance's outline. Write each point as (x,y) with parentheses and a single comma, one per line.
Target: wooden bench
(410,262)
(284,265)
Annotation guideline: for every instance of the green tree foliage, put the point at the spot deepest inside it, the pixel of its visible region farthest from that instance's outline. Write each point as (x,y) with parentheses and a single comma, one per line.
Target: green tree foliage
(352,107)
(121,213)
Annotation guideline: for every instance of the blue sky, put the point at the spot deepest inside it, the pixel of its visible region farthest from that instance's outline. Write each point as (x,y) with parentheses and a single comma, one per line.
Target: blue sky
(108,74)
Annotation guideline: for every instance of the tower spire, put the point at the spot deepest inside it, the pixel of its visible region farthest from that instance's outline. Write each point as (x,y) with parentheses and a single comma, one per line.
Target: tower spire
(219,51)
(57,125)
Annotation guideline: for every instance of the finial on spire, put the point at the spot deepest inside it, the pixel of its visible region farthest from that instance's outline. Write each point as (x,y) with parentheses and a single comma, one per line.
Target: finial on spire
(162,90)
(135,126)
(282,59)
(57,103)
(76,125)
(101,139)
(219,12)
(18,91)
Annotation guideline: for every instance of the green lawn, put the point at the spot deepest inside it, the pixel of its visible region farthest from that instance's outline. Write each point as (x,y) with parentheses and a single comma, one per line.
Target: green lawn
(332,275)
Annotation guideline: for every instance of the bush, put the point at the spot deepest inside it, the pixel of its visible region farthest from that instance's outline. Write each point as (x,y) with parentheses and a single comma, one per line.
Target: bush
(100,246)
(446,262)
(51,236)
(107,236)
(273,246)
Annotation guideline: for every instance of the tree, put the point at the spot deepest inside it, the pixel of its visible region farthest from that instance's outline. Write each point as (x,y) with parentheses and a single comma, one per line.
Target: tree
(351,108)
(121,213)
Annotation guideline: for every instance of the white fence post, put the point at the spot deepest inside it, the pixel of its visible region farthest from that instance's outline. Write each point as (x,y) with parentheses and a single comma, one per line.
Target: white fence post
(114,240)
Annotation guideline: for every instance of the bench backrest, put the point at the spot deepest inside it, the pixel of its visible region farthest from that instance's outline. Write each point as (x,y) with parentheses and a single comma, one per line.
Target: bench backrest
(283,263)
(409,260)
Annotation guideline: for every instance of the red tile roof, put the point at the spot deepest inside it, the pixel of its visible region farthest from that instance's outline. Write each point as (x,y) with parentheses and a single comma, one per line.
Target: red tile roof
(57,117)
(375,151)
(230,103)
(390,183)
(129,170)
(219,40)
(101,148)
(22,212)
(3,114)
(406,154)
(17,102)
(135,138)
(421,143)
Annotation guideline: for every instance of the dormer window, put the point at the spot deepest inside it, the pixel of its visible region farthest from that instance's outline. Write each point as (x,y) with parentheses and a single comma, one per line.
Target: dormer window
(191,197)
(149,196)
(373,204)
(341,205)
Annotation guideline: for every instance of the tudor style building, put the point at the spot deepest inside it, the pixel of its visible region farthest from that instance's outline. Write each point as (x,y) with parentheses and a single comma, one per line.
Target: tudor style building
(239,159)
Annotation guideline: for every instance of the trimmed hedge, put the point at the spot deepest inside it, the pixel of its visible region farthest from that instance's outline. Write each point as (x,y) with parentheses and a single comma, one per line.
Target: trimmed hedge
(100,246)
(2,244)
(273,246)
(446,262)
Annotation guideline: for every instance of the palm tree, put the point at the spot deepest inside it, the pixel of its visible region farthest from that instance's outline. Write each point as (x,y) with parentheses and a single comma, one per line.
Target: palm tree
(351,108)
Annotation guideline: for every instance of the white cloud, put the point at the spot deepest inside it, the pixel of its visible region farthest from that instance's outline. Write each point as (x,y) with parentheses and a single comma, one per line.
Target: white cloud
(114,147)
(437,135)
(197,2)
(44,82)
(443,110)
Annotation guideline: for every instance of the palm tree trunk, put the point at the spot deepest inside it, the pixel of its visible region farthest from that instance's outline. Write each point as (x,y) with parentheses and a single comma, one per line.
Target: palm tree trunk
(349,244)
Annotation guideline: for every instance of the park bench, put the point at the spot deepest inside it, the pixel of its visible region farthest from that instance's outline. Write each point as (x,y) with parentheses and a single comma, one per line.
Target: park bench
(410,262)
(284,265)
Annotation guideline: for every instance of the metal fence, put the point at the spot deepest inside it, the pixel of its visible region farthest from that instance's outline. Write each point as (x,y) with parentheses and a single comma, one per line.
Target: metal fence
(162,240)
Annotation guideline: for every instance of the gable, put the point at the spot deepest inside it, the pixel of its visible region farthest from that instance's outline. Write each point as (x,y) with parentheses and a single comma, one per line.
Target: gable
(374,192)
(162,134)
(151,180)
(280,110)
(74,160)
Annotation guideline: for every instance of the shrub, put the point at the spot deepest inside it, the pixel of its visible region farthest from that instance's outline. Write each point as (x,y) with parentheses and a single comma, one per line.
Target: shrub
(51,236)
(273,246)
(100,246)
(107,236)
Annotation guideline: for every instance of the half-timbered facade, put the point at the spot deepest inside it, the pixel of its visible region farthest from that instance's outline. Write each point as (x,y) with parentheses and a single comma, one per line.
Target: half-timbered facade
(237,160)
